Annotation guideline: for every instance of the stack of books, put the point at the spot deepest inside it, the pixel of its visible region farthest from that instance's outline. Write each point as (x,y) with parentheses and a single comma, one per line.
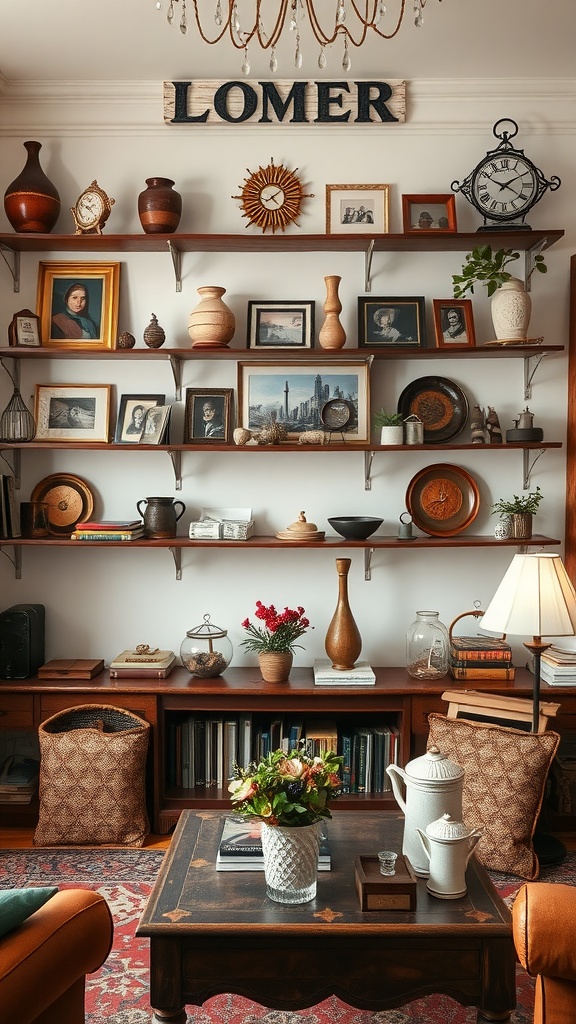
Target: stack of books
(18,779)
(558,667)
(240,847)
(109,529)
(480,657)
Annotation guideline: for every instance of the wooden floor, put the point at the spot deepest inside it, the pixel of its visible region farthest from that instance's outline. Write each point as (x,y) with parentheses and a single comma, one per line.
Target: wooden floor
(21,838)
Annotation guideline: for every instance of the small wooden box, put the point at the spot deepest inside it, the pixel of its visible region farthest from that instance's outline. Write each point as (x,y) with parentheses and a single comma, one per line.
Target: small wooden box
(385,892)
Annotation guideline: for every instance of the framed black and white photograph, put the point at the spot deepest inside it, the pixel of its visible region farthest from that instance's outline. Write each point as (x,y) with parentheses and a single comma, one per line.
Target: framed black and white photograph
(357,209)
(132,416)
(208,416)
(72,412)
(429,214)
(78,304)
(156,424)
(280,325)
(385,322)
(294,394)
(24,329)
(454,323)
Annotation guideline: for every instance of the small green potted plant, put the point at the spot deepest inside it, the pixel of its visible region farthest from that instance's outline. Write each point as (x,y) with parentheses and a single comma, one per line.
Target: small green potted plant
(511,303)
(518,513)
(391,426)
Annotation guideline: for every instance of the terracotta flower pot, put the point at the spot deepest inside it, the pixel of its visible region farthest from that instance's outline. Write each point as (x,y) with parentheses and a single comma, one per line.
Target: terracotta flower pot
(275,666)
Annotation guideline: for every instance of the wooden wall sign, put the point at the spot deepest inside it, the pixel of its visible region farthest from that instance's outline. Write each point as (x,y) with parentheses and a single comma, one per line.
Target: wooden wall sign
(362,102)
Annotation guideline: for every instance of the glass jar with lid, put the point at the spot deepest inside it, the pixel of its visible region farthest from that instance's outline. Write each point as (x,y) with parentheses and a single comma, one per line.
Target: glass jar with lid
(206,650)
(427,647)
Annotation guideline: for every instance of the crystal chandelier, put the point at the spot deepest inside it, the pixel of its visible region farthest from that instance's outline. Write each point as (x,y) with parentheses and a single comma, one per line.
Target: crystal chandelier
(346,23)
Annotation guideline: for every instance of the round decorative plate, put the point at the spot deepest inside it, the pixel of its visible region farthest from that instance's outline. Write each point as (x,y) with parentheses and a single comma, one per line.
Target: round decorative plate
(69,501)
(443,500)
(439,403)
(337,414)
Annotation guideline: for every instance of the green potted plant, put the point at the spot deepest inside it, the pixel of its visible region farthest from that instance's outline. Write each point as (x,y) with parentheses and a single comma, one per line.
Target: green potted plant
(517,513)
(511,303)
(391,426)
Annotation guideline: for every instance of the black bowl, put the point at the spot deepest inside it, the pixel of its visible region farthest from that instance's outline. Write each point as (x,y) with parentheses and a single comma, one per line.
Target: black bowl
(355,527)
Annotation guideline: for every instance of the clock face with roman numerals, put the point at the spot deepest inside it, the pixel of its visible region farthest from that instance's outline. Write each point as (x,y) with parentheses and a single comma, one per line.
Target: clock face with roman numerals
(505,184)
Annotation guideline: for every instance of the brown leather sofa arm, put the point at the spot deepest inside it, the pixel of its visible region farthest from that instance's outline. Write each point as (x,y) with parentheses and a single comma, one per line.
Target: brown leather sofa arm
(543,919)
(43,963)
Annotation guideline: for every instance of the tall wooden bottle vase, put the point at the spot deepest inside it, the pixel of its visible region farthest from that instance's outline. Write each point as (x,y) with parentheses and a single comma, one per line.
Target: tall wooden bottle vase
(332,335)
(343,641)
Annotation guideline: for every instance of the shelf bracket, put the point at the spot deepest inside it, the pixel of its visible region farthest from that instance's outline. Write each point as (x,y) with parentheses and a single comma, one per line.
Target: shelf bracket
(12,263)
(528,468)
(368,552)
(368,265)
(16,560)
(15,469)
(176,367)
(368,457)
(531,364)
(177,562)
(176,458)
(529,261)
(176,263)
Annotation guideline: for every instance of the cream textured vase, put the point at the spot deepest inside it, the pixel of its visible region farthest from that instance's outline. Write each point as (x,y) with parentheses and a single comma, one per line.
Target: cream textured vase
(511,308)
(211,323)
(291,862)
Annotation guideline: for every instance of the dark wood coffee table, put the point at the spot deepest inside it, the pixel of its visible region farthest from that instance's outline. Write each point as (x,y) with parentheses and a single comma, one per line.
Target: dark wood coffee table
(212,932)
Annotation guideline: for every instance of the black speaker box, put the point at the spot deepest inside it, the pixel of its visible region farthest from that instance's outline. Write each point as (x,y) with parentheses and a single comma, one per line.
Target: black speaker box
(21,640)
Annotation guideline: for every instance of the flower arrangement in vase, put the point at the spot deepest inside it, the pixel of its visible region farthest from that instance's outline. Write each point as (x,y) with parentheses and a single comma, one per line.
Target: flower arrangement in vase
(518,511)
(511,303)
(275,640)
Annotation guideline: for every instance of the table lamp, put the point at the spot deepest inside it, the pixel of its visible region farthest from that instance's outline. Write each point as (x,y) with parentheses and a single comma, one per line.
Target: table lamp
(535,597)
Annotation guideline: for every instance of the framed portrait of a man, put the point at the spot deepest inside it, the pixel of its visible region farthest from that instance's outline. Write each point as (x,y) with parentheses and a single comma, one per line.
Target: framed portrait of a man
(385,322)
(207,416)
(454,323)
(78,304)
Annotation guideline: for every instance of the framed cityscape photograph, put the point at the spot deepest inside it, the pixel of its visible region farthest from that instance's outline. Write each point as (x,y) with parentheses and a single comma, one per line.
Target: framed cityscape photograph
(429,214)
(385,322)
(208,416)
(72,412)
(280,325)
(294,394)
(454,323)
(78,304)
(357,209)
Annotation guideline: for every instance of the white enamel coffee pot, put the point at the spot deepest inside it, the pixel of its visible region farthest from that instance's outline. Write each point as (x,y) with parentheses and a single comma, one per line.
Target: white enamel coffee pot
(433,786)
(448,845)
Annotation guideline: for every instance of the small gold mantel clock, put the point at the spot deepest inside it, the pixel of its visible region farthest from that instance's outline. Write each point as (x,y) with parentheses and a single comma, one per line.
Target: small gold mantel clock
(91,210)
(271,197)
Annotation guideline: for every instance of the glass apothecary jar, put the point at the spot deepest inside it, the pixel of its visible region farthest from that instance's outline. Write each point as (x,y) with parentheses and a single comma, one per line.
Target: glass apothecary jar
(206,650)
(427,647)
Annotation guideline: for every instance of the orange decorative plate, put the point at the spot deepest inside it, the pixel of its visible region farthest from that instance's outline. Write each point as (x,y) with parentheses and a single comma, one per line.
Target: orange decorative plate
(439,403)
(443,500)
(69,501)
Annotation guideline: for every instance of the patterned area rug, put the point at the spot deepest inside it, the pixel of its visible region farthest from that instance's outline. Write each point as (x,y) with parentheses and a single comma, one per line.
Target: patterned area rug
(118,993)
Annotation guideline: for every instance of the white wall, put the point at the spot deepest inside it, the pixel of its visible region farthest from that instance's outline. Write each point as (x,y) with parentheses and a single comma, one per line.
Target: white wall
(99,602)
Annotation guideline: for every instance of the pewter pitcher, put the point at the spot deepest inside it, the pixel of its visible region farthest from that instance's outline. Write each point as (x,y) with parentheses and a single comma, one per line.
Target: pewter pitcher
(160,516)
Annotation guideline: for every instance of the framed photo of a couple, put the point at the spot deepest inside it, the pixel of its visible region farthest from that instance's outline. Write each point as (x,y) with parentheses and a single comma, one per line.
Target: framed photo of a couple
(78,305)
(357,209)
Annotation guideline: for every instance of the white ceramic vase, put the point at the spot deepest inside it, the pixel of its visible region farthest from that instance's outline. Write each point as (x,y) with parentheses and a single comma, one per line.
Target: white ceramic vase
(291,862)
(392,434)
(511,308)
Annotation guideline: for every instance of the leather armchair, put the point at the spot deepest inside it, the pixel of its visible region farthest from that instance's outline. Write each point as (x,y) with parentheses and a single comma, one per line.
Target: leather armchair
(543,917)
(44,962)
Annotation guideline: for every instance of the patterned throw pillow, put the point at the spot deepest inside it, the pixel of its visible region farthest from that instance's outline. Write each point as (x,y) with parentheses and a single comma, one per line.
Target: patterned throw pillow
(505,775)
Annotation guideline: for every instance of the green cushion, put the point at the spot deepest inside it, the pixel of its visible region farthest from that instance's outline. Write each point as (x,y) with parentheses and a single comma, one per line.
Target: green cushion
(18,904)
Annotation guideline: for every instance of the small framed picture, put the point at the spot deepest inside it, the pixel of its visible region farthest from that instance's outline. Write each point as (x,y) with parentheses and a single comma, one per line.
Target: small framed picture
(357,209)
(280,325)
(429,214)
(207,416)
(132,416)
(72,412)
(384,322)
(24,329)
(78,304)
(155,424)
(454,323)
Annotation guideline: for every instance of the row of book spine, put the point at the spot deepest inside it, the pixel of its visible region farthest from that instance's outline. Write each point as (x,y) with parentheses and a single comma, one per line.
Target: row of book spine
(203,750)
(9,508)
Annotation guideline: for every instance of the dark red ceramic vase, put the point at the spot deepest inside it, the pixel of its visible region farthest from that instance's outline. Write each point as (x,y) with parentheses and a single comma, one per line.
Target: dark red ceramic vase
(31,201)
(159,206)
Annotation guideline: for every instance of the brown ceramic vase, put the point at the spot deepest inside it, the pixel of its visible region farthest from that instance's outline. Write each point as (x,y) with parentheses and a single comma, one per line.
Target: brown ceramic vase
(343,641)
(31,201)
(159,206)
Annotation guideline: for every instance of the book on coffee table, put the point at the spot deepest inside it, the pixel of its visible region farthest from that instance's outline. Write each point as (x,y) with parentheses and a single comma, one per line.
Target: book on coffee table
(240,847)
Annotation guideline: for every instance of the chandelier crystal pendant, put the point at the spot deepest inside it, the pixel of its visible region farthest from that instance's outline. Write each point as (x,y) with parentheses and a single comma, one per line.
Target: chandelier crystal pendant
(270,18)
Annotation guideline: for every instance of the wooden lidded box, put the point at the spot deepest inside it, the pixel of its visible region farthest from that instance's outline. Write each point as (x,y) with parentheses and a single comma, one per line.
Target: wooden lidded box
(385,892)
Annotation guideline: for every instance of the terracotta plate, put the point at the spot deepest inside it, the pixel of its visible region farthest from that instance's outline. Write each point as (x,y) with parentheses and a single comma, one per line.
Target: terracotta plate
(69,501)
(443,500)
(439,403)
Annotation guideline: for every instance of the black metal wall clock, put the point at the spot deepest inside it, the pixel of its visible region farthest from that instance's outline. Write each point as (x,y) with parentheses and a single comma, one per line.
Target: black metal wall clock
(505,184)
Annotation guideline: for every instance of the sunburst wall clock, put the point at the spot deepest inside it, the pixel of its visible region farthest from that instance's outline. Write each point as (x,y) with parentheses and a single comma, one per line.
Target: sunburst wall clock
(271,197)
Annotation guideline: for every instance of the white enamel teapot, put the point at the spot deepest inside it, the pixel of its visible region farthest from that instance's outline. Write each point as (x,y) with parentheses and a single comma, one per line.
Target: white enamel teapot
(448,845)
(433,786)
